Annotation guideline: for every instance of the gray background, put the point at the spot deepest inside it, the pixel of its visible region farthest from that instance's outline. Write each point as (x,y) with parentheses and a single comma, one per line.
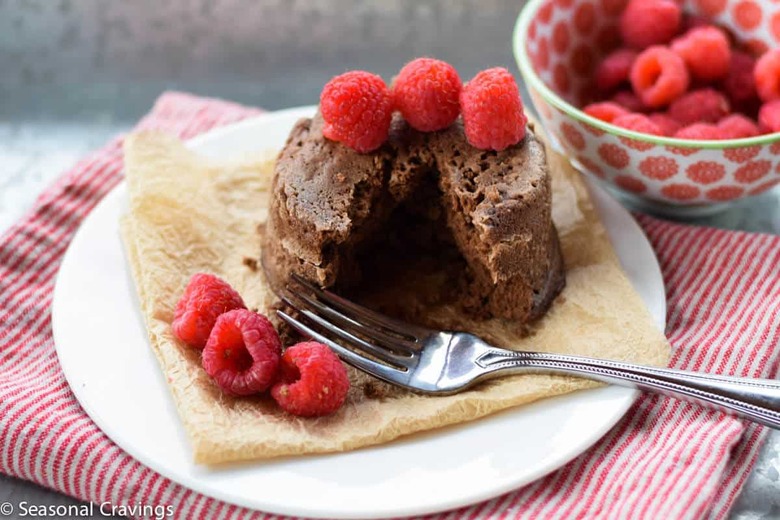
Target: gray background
(75,72)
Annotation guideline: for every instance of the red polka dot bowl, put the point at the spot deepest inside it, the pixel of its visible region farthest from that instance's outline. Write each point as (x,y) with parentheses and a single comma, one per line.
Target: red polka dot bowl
(558,43)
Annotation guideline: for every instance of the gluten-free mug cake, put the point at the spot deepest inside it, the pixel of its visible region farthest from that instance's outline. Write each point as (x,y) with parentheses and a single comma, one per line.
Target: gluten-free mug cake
(430,200)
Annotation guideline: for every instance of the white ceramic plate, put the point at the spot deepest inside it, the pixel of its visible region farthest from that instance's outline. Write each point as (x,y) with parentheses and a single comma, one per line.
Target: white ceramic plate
(103,350)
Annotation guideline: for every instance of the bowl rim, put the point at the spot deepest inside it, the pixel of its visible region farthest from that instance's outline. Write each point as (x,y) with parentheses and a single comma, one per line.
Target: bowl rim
(529,74)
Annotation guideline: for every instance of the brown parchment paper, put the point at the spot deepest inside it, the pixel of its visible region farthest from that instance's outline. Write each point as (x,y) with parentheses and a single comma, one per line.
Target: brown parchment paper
(189,214)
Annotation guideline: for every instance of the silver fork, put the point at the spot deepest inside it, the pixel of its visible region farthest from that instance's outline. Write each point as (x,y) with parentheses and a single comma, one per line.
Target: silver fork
(444,362)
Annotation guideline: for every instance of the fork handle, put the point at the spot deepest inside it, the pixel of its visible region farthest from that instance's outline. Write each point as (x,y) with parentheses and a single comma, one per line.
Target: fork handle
(755,399)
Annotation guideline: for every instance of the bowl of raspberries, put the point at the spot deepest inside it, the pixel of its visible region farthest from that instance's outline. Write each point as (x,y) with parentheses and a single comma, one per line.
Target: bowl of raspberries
(674,104)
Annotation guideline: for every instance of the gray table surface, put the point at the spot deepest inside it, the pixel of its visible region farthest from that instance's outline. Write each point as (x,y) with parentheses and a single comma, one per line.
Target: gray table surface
(77,72)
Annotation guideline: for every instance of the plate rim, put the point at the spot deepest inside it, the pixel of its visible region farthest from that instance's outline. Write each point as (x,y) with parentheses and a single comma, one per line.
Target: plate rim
(601,198)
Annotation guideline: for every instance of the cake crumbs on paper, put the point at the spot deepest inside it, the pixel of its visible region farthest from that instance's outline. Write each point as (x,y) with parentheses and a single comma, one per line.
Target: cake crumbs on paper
(251,263)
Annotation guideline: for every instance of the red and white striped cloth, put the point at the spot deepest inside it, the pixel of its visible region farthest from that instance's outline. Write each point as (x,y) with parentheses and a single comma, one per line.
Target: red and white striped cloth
(665,459)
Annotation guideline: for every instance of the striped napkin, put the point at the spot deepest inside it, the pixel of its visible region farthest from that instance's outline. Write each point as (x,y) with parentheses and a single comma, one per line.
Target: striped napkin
(665,459)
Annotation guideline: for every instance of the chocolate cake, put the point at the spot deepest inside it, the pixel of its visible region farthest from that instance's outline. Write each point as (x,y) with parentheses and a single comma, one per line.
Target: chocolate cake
(334,212)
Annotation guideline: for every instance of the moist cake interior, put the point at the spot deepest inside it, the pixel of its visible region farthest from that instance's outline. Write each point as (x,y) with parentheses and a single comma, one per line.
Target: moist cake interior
(412,263)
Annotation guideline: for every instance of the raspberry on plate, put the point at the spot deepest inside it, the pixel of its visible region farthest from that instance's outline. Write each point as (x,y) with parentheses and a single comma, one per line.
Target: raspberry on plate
(613,70)
(427,92)
(769,117)
(313,381)
(700,106)
(700,132)
(205,298)
(357,108)
(493,117)
(737,126)
(242,353)
(767,76)
(644,23)
(638,123)
(659,76)
(606,111)
(706,51)
(739,84)
(665,123)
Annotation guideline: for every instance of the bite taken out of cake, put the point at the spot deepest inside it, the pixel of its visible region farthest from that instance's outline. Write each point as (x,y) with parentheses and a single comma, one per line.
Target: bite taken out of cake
(391,201)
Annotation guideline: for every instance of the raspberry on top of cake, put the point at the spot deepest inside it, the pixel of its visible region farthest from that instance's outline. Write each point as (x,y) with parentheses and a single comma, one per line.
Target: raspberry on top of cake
(474,195)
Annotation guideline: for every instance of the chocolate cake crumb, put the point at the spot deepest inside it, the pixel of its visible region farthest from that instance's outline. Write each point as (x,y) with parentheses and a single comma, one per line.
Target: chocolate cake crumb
(373,390)
(493,195)
(251,263)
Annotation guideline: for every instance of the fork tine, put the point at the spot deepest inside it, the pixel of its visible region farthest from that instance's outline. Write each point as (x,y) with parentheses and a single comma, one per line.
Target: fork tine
(382,353)
(382,339)
(410,332)
(389,374)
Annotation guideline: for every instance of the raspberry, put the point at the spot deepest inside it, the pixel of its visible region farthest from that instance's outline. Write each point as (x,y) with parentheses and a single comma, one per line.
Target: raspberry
(204,299)
(706,51)
(606,111)
(666,124)
(659,76)
(700,106)
(242,353)
(767,76)
(638,123)
(737,126)
(645,23)
(739,84)
(691,21)
(629,101)
(426,92)
(357,110)
(769,117)
(755,46)
(313,381)
(614,69)
(492,110)
(700,132)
